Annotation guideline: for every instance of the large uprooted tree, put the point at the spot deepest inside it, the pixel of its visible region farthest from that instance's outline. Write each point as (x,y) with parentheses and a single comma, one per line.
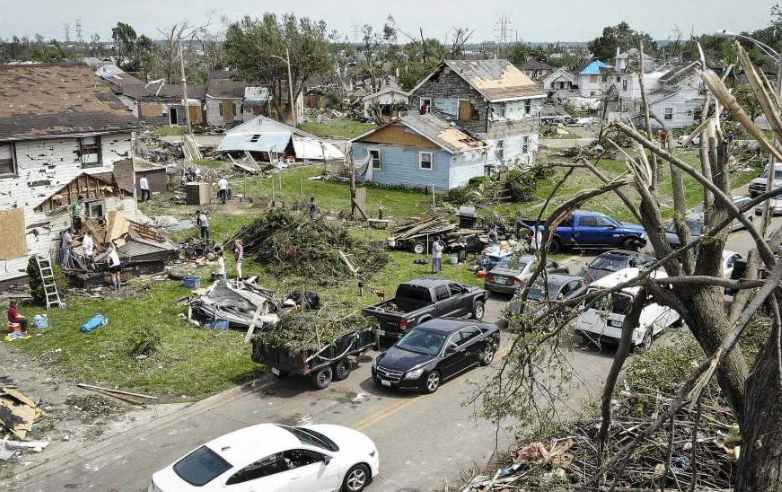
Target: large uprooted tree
(693,286)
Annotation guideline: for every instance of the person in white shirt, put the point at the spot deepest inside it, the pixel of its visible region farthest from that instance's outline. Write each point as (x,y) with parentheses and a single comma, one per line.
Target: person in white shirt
(537,238)
(221,265)
(115,267)
(437,255)
(203,222)
(223,184)
(88,247)
(143,184)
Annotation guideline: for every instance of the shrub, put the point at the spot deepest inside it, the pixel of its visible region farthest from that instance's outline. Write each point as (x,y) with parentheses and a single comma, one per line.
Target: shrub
(143,341)
(479,180)
(522,186)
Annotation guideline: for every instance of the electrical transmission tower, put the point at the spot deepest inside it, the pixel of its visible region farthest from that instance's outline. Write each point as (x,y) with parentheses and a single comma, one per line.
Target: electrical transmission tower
(503,29)
(355,33)
(67,30)
(79,38)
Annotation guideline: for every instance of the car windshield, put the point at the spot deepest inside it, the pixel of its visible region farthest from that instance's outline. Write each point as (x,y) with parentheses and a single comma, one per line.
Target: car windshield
(201,467)
(422,342)
(609,263)
(777,173)
(511,263)
(312,438)
(695,227)
(537,291)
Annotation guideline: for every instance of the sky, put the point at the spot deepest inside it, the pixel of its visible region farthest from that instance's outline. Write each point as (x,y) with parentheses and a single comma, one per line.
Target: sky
(536,21)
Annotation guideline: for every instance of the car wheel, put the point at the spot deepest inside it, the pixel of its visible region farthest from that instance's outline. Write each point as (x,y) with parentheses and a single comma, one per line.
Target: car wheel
(630,244)
(322,377)
(478,310)
(432,382)
(341,370)
(281,374)
(554,247)
(646,343)
(487,356)
(356,479)
(419,248)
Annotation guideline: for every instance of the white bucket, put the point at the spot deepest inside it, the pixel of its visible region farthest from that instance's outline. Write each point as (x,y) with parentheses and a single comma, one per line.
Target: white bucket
(454,260)
(391,242)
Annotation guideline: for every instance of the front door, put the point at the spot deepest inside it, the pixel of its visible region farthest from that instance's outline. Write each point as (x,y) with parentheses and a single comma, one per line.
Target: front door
(172,114)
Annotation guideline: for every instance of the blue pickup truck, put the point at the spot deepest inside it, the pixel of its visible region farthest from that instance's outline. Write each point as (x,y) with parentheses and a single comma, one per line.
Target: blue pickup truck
(584,229)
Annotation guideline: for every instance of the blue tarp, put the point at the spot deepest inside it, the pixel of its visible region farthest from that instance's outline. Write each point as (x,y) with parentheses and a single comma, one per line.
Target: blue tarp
(594,68)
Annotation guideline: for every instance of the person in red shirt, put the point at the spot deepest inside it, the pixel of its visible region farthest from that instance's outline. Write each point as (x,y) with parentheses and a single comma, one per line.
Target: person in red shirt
(15,318)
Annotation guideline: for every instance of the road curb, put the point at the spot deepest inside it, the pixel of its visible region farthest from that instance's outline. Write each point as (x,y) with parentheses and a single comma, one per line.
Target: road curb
(46,469)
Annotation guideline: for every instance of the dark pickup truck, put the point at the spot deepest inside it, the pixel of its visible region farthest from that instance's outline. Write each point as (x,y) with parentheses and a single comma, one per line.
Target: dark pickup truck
(423,299)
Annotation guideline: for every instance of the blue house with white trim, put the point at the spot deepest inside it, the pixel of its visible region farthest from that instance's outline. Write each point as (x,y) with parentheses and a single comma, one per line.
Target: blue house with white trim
(421,151)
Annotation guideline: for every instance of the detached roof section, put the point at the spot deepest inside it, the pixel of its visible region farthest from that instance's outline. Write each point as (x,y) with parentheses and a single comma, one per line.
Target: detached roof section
(386,90)
(496,80)
(58,99)
(533,64)
(679,72)
(437,130)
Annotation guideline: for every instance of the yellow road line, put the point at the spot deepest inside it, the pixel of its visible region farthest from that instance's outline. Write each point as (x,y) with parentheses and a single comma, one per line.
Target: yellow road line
(401,405)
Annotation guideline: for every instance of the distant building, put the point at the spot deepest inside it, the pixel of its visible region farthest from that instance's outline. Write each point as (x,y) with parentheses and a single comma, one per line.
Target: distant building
(536,70)
(560,79)
(420,151)
(159,103)
(490,99)
(594,79)
(224,100)
(389,100)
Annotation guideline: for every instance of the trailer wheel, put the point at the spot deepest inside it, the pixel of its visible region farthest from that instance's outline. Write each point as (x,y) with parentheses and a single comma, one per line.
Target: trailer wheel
(341,370)
(419,248)
(322,377)
(281,374)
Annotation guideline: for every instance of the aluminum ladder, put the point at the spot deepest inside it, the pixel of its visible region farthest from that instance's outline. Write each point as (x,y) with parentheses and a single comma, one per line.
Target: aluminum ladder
(49,284)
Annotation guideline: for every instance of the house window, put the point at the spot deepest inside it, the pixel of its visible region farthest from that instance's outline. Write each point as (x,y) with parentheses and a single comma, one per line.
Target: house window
(254,138)
(525,145)
(426,105)
(595,79)
(375,156)
(425,161)
(500,149)
(668,113)
(96,209)
(528,106)
(501,111)
(220,109)
(237,109)
(624,85)
(89,149)
(7,160)
(618,79)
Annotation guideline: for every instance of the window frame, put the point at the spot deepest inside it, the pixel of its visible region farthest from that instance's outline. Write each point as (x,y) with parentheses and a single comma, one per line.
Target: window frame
(525,144)
(320,457)
(99,153)
(14,163)
(428,106)
(421,160)
(528,107)
(379,166)
(220,108)
(500,150)
(463,340)
(439,290)
(668,114)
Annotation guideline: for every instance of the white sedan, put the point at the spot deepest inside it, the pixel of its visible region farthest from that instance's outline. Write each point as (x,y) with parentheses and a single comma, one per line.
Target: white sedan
(275,458)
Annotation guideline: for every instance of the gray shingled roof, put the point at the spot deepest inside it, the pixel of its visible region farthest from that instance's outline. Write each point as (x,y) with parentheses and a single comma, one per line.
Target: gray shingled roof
(496,80)
(442,133)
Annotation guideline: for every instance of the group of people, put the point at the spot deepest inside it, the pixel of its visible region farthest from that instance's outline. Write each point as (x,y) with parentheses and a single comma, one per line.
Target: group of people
(238,259)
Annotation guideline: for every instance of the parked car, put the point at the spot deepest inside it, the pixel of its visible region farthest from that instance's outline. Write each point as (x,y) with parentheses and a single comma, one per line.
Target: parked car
(694,225)
(697,214)
(585,229)
(434,352)
(423,299)
(695,142)
(560,288)
(275,458)
(615,260)
(603,322)
(758,185)
(513,272)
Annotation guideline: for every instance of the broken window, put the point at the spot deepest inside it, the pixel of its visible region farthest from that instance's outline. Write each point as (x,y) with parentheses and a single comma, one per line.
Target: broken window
(89,150)
(426,105)
(525,145)
(668,113)
(7,160)
(96,209)
(468,112)
(425,161)
(528,106)
(500,148)
(375,156)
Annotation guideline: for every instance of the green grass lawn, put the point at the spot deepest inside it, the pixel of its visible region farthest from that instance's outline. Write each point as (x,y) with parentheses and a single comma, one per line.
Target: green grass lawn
(212,163)
(339,128)
(170,131)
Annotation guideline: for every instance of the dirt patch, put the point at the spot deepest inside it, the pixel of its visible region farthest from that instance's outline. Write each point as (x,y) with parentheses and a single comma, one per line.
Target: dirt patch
(89,408)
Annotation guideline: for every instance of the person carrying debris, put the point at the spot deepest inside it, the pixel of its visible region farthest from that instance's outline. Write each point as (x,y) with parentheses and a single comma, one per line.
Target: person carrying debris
(223,184)
(239,257)
(143,184)
(221,265)
(313,208)
(66,246)
(115,267)
(203,223)
(15,319)
(77,213)
(437,255)
(88,246)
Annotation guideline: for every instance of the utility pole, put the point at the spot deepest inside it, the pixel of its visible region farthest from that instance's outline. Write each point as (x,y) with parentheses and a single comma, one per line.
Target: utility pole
(290,89)
(184,88)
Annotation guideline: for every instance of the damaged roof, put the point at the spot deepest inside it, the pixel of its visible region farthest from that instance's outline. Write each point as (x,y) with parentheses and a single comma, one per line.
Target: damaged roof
(496,80)
(161,90)
(58,99)
(226,88)
(679,72)
(437,130)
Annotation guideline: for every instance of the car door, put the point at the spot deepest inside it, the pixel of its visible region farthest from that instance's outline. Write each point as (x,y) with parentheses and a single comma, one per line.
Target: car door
(463,306)
(265,475)
(446,304)
(473,344)
(453,357)
(308,471)
(586,231)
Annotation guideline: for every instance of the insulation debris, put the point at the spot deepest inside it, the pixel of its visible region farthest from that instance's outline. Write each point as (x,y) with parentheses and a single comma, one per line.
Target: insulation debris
(237,303)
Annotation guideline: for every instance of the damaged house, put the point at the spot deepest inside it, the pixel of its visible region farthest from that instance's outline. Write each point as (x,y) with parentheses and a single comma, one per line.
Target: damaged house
(490,99)
(159,103)
(229,102)
(61,131)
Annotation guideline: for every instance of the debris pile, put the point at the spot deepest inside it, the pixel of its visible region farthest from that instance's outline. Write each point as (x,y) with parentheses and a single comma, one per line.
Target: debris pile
(242,303)
(419,232)
(289,244)
(18,412)
(311,330)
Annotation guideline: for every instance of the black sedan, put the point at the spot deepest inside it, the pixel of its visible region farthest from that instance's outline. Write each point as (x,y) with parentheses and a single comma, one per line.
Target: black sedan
(436,351)
(615,260)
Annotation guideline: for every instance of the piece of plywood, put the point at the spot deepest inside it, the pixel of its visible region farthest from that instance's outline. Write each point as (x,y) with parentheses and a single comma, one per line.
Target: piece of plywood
(13,241)
(116,227)
(228,110)
(195,114)
(399,135)
(151,110)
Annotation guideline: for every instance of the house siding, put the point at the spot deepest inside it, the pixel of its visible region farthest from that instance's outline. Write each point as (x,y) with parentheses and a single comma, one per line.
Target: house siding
(401,166)
(213,116)
(43,167)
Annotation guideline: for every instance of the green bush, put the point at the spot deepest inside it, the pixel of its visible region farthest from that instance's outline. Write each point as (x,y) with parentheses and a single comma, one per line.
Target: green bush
(143,341)
(479,180)
(522,186)
(36,285)
(541,170)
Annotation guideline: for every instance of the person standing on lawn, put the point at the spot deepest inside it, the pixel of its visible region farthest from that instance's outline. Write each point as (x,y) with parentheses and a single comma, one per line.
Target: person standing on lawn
(313,208)
(15,319)
(88,247)
(115,267)
(77,213)
(143,184)
(223,184)
(437,255)
(203,223)
(221,265)
(239,257)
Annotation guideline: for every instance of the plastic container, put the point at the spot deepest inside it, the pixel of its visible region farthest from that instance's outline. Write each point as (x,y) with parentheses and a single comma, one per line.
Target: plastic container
(40,321)
(192,282)
(218,325)
(454,260)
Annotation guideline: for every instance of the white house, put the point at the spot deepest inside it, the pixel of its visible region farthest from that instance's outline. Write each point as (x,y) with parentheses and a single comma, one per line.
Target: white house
(61,132)
(387,100)
(560,79)
(594,80)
